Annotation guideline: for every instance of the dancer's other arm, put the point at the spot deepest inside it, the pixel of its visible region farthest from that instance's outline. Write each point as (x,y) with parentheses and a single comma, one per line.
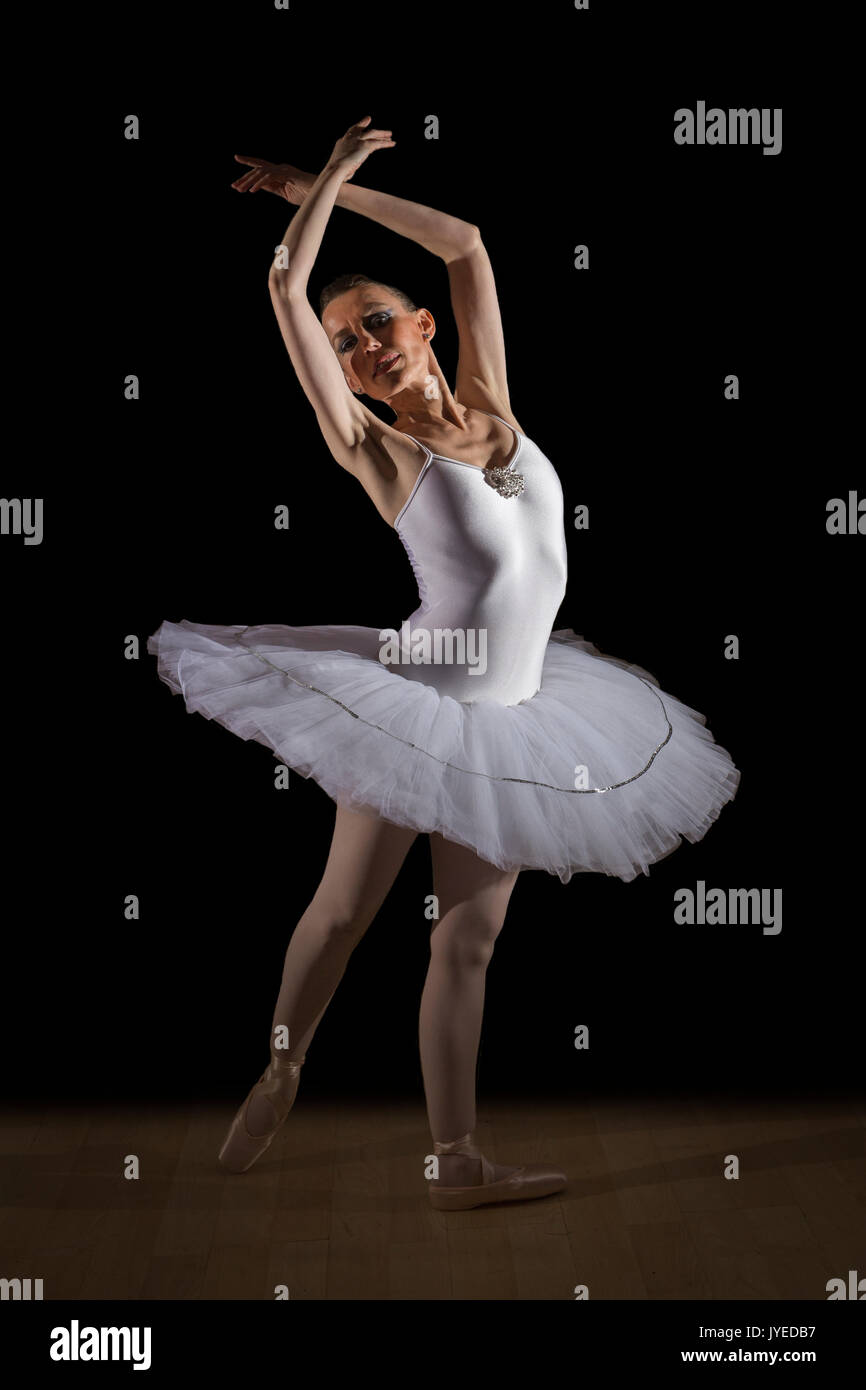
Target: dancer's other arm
(438,232)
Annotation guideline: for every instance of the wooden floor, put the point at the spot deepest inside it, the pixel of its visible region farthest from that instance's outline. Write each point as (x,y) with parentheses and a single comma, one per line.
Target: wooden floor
(337,1207)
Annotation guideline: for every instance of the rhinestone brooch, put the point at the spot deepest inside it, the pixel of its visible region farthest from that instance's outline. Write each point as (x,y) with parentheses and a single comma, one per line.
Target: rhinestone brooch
(505,481)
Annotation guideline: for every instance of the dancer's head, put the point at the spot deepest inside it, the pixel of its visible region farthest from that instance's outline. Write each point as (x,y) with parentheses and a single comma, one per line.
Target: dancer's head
(366,318)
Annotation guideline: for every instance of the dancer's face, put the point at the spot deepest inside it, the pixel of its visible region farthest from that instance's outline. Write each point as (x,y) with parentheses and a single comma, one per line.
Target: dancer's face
(365,323)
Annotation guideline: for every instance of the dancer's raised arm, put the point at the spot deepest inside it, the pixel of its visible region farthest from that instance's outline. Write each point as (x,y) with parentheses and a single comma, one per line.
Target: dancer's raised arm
(303,237)
(341,416)
(439,232)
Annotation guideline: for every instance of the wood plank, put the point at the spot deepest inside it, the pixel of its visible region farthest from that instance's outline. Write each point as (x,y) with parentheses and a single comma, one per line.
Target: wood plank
(604,1258)
(642,1179)
(835,1217)
(357,1237)
(734,1265)
(670,1262)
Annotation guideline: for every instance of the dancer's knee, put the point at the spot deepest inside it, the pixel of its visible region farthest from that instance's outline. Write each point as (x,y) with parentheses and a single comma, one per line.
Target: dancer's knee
(336,917)
(465,939)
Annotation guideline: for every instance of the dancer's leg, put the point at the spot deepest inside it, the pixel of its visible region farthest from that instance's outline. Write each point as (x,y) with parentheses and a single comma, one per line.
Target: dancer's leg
(365,857)
(473,898)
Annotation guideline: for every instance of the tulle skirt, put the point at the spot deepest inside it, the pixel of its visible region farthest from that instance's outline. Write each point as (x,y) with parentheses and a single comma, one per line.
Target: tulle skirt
(600,771)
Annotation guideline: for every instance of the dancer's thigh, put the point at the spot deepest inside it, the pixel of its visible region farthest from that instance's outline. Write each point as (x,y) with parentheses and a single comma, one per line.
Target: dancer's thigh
(365,857)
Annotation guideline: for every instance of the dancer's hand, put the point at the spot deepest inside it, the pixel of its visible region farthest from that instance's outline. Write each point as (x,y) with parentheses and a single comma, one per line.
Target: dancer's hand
(283,179)
(353,148)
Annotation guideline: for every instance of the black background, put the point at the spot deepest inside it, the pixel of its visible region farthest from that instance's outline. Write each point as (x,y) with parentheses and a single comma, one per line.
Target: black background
(707,518)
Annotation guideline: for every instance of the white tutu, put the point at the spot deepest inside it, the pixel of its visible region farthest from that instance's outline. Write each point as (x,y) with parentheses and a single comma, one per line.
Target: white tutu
(498,778)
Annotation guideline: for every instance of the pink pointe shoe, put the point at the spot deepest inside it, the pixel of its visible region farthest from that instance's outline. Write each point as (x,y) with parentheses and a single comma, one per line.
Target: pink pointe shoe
(531,1180)
(280,1084)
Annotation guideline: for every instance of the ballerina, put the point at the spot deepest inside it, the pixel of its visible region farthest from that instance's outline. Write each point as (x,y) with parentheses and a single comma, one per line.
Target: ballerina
(549,754)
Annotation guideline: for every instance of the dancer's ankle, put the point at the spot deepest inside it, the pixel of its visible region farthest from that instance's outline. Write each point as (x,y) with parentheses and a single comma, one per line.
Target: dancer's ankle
(284,1055)
(458,1170)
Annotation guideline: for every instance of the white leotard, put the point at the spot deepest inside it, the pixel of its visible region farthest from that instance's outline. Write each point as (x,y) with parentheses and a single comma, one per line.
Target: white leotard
(488,565)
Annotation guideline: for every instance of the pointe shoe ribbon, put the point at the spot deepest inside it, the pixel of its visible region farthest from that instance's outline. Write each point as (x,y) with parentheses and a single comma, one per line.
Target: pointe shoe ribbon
(530,1180)
(465,1146)
(279,1083)
(272,1084)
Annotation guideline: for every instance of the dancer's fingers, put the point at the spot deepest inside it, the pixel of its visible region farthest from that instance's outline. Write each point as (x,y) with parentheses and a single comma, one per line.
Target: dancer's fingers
(251,180)
(245,180)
